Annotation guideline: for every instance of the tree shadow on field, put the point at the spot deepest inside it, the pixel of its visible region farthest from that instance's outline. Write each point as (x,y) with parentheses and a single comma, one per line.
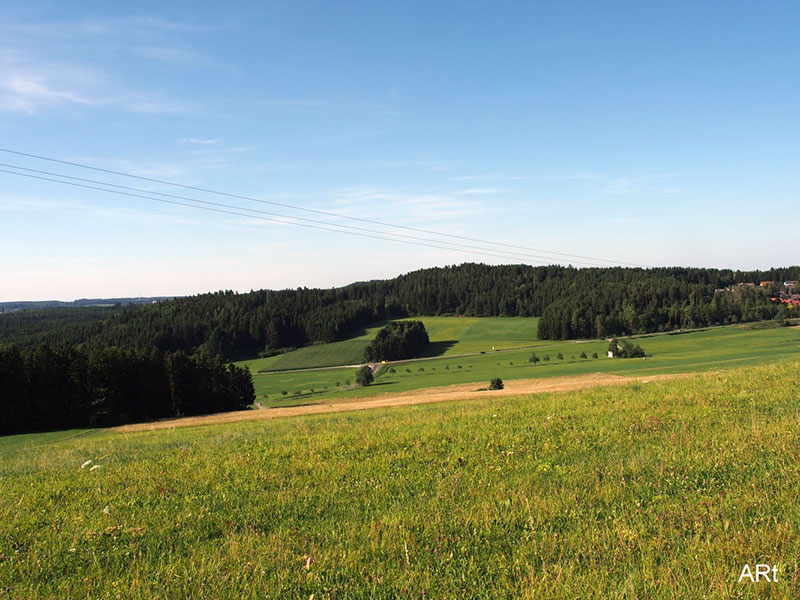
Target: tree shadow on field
(438,348)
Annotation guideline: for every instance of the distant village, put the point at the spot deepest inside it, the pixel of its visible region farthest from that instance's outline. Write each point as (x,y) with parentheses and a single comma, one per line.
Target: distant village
(779,294)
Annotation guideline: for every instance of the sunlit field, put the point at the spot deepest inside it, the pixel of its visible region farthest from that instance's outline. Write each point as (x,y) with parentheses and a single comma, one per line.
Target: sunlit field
(722,347)
(659,490)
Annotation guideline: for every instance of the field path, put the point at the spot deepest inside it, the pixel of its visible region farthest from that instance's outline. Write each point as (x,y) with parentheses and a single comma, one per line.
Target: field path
(467,391)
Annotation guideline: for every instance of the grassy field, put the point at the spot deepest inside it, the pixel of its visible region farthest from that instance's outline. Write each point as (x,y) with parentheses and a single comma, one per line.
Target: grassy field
(669,353)
(462,335)
(448,335)
(660,490)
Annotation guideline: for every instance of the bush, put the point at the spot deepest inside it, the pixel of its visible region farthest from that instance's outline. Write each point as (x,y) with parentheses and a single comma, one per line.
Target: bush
(560,356)
(547,357)
(496,384)
(533,358)
(284,392)
(625,349)
(364,376)
(583,355)
(594,355)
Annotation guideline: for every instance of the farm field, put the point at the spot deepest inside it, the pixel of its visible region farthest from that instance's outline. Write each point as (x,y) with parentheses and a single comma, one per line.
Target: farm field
(662,490)
(669,353)
(346,352)
(448,335)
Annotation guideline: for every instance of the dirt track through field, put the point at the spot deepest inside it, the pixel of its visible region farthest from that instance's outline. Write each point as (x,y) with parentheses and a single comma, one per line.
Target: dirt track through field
(467,391)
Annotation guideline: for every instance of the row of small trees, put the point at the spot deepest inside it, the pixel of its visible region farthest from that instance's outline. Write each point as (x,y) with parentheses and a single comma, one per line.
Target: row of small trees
(535,359)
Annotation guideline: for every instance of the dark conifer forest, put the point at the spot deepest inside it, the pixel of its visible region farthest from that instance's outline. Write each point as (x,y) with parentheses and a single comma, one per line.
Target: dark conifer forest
(65,388)
(572,303)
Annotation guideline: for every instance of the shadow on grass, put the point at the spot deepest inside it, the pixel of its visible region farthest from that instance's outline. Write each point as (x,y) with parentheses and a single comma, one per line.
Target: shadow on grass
(438,348)
(377,383)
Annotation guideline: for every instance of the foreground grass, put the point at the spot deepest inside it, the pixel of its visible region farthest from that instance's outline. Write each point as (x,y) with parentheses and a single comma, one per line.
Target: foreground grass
(651,491)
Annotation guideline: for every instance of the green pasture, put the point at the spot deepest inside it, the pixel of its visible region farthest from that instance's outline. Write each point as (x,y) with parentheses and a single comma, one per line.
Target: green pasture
(660,490)
(448,335)
(668,353)
(27,441)
(346,352)
(462,335)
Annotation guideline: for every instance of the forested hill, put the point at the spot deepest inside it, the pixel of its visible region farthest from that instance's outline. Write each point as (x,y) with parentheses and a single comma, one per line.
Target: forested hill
(571,303)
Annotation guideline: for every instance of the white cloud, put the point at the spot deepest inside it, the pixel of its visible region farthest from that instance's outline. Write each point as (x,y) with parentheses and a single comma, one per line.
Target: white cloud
(200,141)
(28,85)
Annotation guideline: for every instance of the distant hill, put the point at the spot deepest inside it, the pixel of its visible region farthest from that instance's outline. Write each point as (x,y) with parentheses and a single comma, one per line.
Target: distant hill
(571,303)
(6,307)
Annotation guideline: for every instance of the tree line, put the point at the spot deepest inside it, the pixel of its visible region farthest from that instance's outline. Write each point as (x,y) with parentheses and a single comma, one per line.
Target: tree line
(572,303)
(61,388)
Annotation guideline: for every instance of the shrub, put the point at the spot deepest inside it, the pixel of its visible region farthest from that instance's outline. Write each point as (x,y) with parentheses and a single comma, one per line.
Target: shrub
(594,355)
(533,358)
(284,392)
(364,376)
(625,349)
(583,355)
(560,356)
(547,357)
(496,384)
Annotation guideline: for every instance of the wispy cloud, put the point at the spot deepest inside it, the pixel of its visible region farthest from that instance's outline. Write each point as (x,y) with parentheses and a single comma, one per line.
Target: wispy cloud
(123,27)
(202,141)
(644,184)
(27,85)
(444,208)
(326,105)
(41,70)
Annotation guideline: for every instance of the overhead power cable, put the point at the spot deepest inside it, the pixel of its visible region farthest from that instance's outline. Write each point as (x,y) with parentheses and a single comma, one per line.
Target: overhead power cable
(318,211)
(455,245)
(263,218)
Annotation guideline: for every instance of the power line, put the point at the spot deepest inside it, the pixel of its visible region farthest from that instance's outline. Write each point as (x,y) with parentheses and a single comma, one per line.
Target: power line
(507,254)
(313,210)
(256,216)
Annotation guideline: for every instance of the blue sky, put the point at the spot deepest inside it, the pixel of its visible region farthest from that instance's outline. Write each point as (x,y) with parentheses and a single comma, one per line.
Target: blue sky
(633,132)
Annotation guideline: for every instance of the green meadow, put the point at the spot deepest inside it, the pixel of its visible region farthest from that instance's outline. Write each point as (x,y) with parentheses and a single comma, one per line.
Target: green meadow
(722,347)
(448,335)
(658,490)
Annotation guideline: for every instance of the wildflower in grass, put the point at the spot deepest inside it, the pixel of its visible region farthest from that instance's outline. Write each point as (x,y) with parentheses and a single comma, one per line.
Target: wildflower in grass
(86,464)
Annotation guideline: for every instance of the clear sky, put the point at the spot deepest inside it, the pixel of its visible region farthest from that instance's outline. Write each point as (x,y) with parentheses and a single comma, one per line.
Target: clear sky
(654,133)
